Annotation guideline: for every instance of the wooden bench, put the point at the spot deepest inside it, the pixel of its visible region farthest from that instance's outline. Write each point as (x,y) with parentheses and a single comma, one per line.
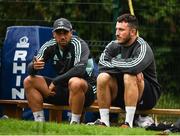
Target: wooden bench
(14,108)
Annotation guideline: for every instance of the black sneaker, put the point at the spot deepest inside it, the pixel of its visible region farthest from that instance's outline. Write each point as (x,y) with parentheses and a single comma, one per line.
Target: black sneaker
(98,122)
(125,125)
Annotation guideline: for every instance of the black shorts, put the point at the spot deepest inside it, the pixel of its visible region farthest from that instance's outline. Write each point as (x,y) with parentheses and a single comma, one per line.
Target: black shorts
(148,99)
(62,94)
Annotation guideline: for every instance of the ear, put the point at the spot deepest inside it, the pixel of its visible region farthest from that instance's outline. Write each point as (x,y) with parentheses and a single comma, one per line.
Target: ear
(133,31)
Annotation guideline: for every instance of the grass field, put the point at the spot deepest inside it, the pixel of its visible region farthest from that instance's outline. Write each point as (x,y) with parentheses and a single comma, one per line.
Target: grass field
(20,127)
(168,100)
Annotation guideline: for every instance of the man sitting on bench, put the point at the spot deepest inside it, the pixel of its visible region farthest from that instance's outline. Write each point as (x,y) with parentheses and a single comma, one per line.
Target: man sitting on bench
(127,76)
(74,85)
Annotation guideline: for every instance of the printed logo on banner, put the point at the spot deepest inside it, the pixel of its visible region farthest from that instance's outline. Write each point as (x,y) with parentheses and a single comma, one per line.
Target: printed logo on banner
(23,42)
(19,64)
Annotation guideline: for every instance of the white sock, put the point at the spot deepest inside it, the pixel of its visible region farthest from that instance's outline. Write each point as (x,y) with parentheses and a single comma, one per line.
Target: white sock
(39,116)
(75,118)
(104,114)
(130,111)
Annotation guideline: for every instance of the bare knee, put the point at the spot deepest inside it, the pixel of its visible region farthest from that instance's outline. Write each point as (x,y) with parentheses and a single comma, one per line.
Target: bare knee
(134,82)
(103,79)
(130,80)
(27,82)
(77,85)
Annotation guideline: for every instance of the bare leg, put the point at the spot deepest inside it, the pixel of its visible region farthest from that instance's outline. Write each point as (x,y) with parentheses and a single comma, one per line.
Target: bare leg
(77,87)
(106,92)
(134,86)
(35,89)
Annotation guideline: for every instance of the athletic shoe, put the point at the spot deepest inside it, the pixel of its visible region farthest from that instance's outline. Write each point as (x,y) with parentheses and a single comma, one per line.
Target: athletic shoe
(125,125)
(4,117)
(98,122)
(74,123)
(144,122)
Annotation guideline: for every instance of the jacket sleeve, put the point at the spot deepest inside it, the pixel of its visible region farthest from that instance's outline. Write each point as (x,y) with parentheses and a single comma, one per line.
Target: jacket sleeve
(42,53)
(140,60)
(77,71)
(105,63)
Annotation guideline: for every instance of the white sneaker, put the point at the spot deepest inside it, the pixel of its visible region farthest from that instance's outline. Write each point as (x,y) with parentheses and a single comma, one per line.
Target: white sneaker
(98,122)
(4,117)
(144,121)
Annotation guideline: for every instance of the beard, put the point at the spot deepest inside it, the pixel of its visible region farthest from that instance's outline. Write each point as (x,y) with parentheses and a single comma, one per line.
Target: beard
(124,41)
(63,42)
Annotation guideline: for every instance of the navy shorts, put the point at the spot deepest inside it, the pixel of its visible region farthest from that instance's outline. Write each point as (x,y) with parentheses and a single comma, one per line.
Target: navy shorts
(62,94)
(148,99)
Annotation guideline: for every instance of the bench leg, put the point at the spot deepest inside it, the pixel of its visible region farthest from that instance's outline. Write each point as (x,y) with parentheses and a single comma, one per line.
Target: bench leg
(55,116)
(59,116)
(13,111)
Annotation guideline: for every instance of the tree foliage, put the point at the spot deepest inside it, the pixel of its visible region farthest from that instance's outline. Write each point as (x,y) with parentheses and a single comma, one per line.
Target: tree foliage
(160,26)
(92,20)
(160,21)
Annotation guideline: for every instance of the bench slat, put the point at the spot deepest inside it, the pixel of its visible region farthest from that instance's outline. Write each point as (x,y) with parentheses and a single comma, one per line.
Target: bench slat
(14,108)
(161,111)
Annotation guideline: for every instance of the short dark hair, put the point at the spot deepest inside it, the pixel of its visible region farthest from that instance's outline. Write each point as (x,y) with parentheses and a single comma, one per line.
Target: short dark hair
(130,19)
